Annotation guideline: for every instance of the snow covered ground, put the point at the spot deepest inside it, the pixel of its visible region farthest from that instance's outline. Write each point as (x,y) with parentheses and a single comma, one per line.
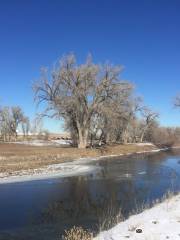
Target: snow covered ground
(45,143)
(68,169)
(144,144)
(38,142)
(158,223)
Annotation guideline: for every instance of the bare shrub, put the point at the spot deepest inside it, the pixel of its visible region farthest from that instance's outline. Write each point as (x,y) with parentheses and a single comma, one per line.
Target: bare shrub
(163,137)
(44,135)
(77,233)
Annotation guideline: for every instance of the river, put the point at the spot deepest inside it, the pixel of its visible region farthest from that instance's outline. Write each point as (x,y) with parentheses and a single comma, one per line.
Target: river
(43,209)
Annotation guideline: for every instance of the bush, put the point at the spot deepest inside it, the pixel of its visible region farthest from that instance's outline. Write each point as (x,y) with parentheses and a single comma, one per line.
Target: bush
(77,233)
(163,137)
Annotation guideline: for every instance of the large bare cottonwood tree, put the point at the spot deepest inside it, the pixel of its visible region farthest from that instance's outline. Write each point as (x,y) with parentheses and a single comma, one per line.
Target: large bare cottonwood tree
(78,92)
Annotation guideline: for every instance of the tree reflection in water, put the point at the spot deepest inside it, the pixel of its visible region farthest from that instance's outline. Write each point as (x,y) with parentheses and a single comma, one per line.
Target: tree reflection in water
(123,184)
(90,201)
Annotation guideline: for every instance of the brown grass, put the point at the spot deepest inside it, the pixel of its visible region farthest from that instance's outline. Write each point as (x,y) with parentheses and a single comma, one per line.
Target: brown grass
(14,157)
(77,233)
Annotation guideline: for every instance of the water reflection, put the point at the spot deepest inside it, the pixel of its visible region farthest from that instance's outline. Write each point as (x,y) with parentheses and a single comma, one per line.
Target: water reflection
(43,209)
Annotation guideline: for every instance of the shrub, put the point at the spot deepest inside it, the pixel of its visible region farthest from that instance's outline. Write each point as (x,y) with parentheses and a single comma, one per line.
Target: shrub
(77,233)
(163,137)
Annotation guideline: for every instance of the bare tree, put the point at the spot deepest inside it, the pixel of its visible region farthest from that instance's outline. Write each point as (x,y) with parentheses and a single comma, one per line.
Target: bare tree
(128,118)
(120,117)
(148,119)
(17,118)
(37,125)
(78,92)
(25,124)
(10,118)
(5,123)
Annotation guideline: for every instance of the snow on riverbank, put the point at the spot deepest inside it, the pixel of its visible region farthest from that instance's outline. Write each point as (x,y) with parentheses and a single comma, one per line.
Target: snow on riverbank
(73,168)
(45,142)
(38,142)
(158,223)
(144,144)
(51,171)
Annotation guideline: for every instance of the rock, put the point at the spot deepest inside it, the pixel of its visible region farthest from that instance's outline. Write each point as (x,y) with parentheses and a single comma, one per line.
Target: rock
(155,222)
(138,230)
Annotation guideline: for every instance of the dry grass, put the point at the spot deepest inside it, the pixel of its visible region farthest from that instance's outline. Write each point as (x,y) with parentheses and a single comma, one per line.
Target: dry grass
(14,157)
(77,233)
(144,206)
(111,216)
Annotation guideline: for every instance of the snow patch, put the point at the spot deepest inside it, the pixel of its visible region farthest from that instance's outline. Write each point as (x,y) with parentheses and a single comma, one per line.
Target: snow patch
(51,171)
(158,223)
(144,144)
(45,143)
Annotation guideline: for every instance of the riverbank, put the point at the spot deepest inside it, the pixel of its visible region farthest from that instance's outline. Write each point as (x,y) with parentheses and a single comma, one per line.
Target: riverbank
(20,162)
(15,157)
(158,223)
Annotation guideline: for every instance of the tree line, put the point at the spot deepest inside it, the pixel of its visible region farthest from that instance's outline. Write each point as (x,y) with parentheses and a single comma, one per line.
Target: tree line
(10,119)
(14,122)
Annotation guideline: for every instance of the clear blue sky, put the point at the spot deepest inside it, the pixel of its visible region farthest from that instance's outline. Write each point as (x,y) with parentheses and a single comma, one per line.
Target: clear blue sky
(144,36)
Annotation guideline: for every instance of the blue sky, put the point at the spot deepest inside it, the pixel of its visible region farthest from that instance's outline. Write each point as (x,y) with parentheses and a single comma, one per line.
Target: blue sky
(144,36)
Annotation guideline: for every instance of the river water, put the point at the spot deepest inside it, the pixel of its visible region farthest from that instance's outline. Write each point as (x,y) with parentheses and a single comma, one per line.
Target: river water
(42,210)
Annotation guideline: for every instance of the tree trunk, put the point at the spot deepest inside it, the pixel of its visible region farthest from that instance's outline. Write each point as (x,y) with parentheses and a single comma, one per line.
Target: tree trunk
(83,138)
(142,137)
(142,134)
(125,136)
